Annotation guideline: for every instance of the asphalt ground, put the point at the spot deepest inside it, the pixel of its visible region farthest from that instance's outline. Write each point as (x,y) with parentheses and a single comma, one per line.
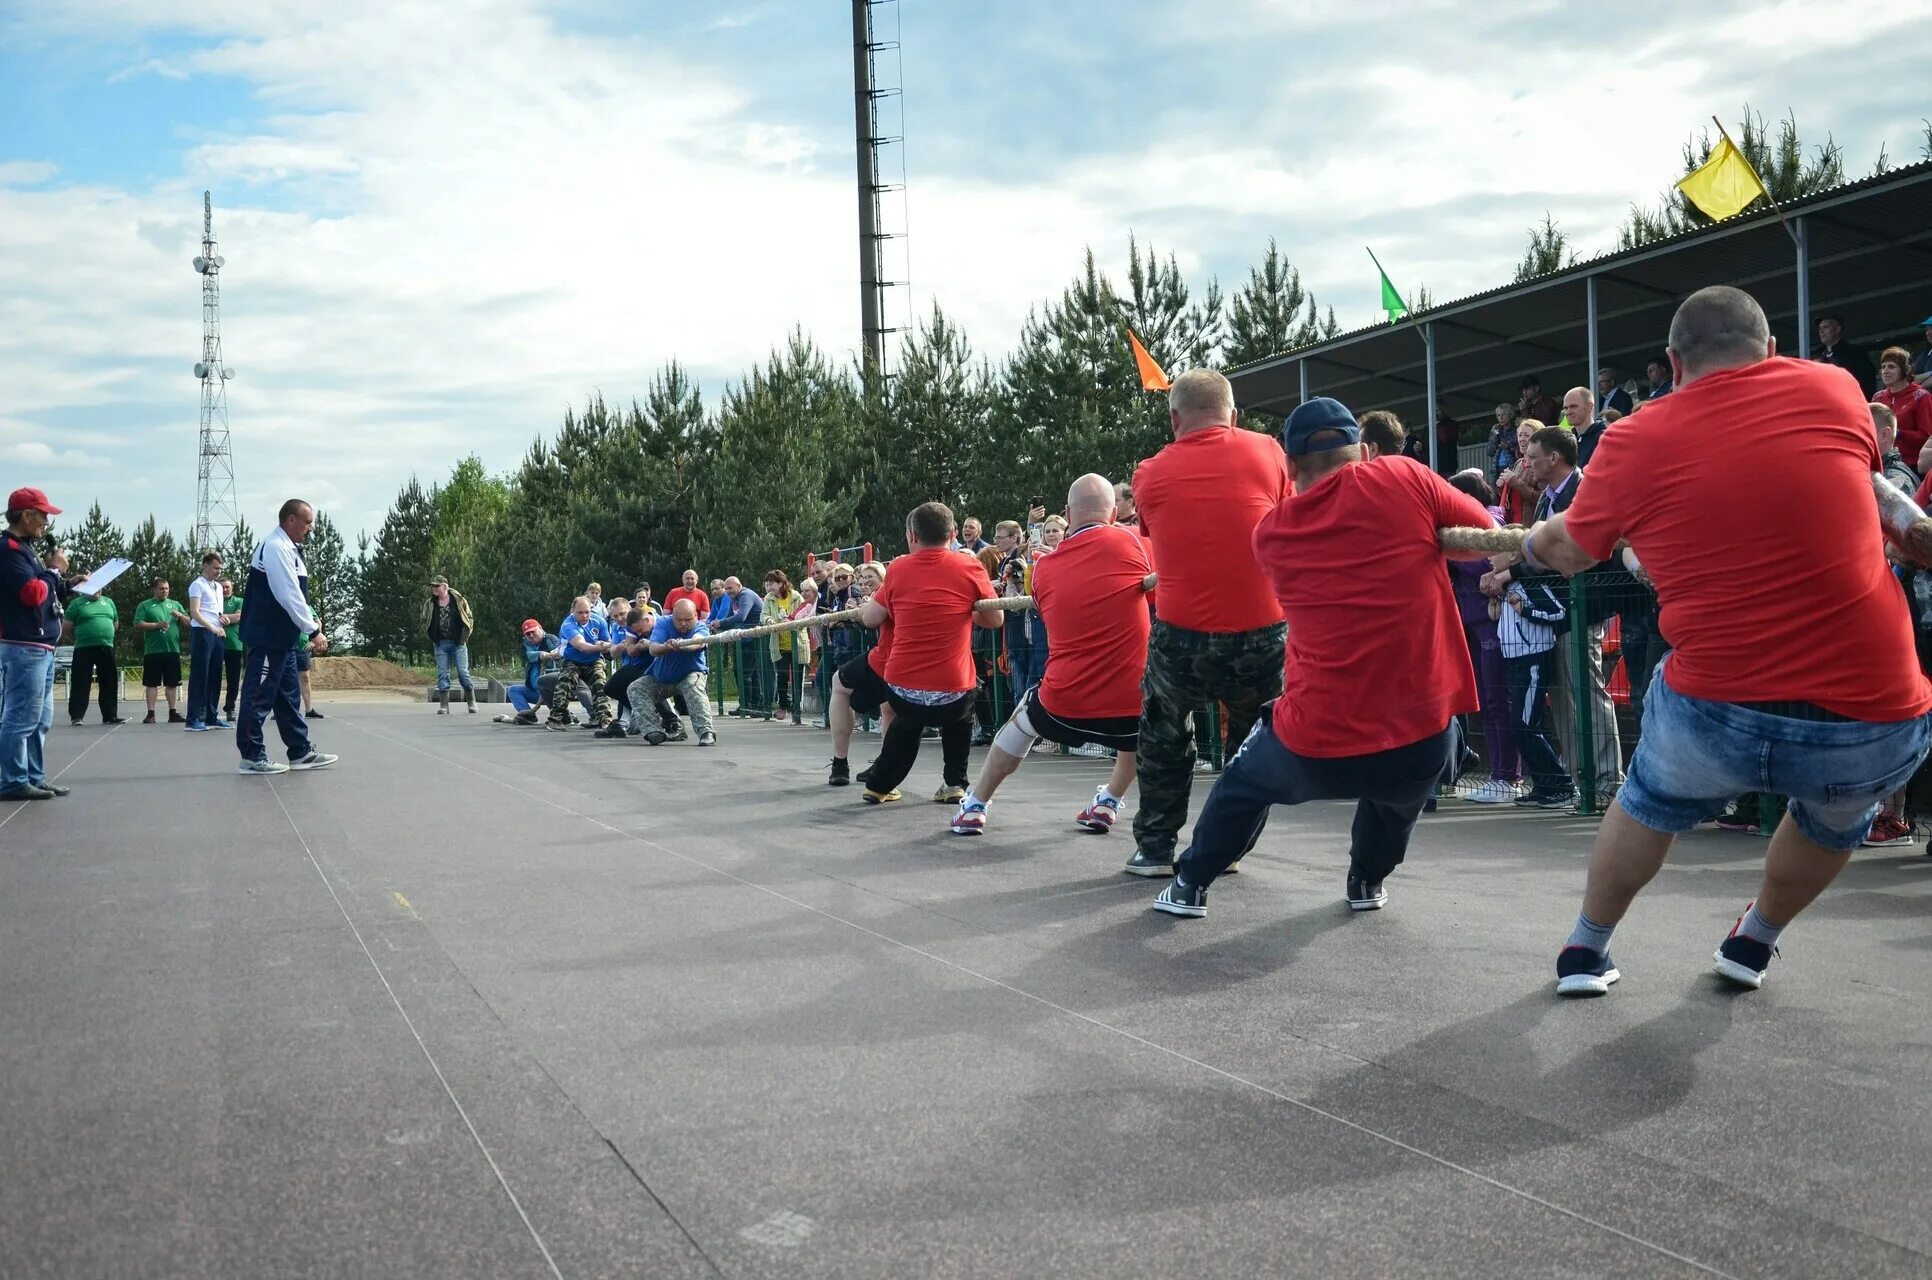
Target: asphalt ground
(487,1001)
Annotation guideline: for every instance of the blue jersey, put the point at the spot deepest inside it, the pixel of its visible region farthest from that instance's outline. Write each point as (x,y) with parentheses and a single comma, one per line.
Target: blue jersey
(593,632)
(669,668)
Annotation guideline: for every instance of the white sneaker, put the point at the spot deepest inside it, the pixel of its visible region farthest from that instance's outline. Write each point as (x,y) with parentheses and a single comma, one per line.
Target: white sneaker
(1495,791)
(1090,751)
(261,766)
(313,760)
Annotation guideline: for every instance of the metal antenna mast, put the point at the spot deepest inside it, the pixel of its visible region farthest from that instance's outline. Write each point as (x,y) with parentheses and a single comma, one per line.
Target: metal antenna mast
(877,76)
(215,466)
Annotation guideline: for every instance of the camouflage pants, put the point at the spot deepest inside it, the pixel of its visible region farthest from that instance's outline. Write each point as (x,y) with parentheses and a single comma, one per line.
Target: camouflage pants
(1187,671)
(569,675)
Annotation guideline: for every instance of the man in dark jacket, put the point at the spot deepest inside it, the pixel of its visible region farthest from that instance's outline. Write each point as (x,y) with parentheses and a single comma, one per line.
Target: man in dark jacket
(30,598)
(447,621)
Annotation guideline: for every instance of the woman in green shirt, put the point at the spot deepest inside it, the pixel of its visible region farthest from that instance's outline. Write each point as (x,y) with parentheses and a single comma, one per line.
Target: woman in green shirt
(93,618)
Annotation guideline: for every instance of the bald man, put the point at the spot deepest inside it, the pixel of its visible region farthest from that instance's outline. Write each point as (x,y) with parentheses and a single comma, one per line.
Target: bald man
(1581,416)
(1092,593)
(677,668)
(586,645)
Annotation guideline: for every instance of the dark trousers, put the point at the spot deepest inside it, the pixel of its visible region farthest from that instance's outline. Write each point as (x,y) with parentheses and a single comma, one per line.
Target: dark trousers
(269,682)
(750,657)
(1389,788)
(1643,649)
(1530,680)
(93,662)
(618,690)
(204,676)
(1187,672)
(231,661)
(954,720)
(782,679)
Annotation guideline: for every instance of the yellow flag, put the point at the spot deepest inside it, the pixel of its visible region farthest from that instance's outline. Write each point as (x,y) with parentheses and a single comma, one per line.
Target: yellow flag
(1725,184)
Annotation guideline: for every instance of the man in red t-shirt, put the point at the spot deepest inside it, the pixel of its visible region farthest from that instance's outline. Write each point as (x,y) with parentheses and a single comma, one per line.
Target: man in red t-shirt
(1218,633)
(1366,707)
(689,589)
(1811,693)
(929,597)
(1092,595)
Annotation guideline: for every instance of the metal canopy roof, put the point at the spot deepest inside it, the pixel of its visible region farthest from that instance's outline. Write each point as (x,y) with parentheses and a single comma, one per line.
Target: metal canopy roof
(1869,245)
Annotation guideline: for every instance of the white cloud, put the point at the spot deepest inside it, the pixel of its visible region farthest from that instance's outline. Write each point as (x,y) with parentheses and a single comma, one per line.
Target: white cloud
(26,173)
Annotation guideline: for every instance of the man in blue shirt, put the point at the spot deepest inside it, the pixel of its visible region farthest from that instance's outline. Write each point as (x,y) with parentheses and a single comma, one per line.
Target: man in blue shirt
(677,668)
(586,644)
(747,610)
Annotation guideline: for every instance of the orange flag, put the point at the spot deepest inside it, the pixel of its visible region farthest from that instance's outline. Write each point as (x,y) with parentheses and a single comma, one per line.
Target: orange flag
(1151,377)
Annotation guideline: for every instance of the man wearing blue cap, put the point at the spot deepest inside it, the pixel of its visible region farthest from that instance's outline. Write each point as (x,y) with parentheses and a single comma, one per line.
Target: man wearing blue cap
(1366,708)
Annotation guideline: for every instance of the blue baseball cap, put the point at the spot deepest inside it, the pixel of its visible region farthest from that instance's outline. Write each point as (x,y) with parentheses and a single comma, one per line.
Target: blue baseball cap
(1312,417)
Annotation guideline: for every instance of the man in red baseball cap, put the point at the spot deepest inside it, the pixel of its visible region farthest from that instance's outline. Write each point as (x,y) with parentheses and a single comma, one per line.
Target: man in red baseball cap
(30,598)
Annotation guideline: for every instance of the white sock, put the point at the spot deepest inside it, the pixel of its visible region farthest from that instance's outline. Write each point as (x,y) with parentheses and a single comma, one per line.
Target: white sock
(1106,796)
(972,799)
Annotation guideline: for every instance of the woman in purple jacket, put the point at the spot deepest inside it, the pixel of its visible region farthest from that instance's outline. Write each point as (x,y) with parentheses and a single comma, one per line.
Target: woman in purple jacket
(1492,678)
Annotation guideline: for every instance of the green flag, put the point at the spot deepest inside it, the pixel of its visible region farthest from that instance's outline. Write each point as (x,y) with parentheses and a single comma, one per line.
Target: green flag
(1391,300)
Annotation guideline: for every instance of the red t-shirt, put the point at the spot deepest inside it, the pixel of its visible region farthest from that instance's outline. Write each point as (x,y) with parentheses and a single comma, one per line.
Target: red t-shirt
(1089,594)
(1769,558)
(1913,409)
(695,595)
(1376,657)
(1199,500)
(882,650)
(930,594)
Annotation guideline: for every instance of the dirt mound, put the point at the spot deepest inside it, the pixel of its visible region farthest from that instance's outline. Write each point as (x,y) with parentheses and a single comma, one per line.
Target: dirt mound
(360,673)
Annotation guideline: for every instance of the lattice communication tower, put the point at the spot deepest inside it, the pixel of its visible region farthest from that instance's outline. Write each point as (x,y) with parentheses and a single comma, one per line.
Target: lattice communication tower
(215,466)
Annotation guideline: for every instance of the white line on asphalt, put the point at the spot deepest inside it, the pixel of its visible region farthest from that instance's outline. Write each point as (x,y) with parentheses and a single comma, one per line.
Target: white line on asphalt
(1443,1161)
(411,1024)
(21,804)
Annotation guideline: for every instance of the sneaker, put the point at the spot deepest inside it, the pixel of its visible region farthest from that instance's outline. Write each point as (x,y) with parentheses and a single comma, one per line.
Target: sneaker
(778,717)
(122,720)
(313,760)
(1583,972)
(148,719)
(1888,831)
(841,774)
(1232,869)
(949,794)
(679,734)
(980,739)
(1495,791)
(315,714)
(1100,815)
(1546,800)
(1090,751)
(262,766)
(881,797)
(1203,765)
(970,820)
(222,722)
(1182,899)
(560,724)
(707,739)
(76,723)
(1365,894)
(1142,864)
(655,739)
(1743,960)
(195,726)
(175,717)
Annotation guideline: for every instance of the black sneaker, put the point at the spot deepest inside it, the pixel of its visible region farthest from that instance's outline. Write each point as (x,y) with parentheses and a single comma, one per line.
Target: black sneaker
(121,720)
(611,731)
(315,713)
(1583,972)
(656,739)
(561,725)
(1182,899)
(841,774)
(1365,894)
(1546,800)
(1142,864)
(149,719)
(1743,960)
(175,717)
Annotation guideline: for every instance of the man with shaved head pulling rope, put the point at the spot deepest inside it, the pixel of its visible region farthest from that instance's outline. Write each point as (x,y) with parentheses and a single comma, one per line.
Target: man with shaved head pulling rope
(1812,694)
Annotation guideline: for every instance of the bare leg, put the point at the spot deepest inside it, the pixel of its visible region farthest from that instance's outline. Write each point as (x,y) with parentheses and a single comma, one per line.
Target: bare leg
(308,699)
(1123,775)
(1796,871)
(1626,857)
(151,691)
(839,715)
(171,691)
(998,768)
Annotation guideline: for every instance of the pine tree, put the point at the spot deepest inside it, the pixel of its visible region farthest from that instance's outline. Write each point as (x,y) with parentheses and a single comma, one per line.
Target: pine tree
(1548,250)
(1272,312)
(397,580)
(153,553)
(1781,163)
(241,549)
(96,541)
(928,431)
(333,589)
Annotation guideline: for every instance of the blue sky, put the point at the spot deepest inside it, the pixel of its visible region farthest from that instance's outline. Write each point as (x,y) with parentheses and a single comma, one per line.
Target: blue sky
(447,221)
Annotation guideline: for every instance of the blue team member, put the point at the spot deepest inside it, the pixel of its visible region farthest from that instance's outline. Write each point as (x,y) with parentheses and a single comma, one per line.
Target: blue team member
(539,647)
(275,620)
(677,668)
(586,643)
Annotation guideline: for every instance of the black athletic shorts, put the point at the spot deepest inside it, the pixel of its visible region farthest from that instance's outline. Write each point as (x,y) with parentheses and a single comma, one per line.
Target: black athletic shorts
(1121,733)
(867,687)
(158,669)
(303,660)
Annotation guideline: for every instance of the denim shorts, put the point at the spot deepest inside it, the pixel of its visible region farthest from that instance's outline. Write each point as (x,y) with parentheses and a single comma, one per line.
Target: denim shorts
(1695,756)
